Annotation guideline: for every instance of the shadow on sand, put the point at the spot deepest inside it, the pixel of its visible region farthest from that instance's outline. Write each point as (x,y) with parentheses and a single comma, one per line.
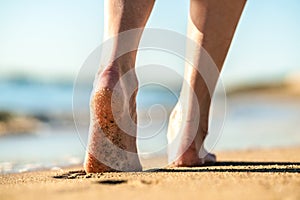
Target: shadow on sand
(236,166)
(226,166)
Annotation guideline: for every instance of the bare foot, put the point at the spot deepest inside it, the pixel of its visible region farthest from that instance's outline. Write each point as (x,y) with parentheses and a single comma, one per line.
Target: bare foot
(185,150)
(190,158)
(111,148)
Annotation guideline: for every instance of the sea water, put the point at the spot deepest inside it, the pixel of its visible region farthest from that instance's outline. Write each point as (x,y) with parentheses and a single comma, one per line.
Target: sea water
(250,122)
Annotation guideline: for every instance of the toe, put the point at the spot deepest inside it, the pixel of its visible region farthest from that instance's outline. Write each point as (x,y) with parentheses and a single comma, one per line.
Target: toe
(210,158)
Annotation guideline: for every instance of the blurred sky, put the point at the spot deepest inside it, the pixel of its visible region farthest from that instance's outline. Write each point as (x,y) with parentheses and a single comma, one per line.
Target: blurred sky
(52,38)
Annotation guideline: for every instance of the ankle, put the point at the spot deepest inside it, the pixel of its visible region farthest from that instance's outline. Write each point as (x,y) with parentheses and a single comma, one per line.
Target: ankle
(123,64)
(121,69)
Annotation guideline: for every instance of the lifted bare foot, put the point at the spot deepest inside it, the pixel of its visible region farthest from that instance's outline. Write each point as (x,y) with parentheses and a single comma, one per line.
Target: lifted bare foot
(111,148)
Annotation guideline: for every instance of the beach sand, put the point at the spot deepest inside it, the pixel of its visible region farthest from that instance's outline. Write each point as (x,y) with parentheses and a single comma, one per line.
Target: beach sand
(251,174)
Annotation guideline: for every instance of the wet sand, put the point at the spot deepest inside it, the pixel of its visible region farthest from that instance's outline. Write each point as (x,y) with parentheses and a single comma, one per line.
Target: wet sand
(252,174)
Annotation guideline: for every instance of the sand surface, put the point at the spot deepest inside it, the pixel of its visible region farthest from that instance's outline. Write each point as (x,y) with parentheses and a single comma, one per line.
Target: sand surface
(255,174)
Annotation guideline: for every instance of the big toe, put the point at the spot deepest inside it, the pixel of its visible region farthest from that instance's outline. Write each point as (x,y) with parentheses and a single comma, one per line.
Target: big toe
(210,159)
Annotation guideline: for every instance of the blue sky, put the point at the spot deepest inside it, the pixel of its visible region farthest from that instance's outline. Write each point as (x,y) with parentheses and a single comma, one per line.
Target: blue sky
(52,38)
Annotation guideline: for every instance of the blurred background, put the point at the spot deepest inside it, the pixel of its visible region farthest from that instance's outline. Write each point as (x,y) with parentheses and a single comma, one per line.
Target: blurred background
(44,43)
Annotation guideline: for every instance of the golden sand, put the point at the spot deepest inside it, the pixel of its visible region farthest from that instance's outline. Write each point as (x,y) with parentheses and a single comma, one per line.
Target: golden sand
(255,174)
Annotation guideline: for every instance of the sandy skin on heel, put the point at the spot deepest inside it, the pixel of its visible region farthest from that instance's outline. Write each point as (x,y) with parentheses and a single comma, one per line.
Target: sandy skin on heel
(110,148)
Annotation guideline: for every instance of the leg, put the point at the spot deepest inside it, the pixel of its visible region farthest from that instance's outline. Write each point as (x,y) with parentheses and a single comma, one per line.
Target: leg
(105,135)
(212,25)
